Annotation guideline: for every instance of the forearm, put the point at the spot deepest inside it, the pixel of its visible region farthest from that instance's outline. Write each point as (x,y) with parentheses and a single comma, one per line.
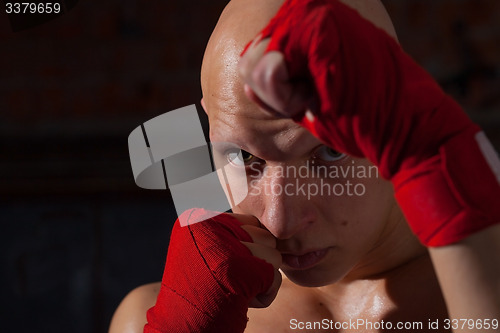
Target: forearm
(469,275)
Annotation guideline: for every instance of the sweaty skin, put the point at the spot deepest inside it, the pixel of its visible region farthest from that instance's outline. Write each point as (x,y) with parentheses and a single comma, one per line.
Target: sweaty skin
(371,266)
(372,256)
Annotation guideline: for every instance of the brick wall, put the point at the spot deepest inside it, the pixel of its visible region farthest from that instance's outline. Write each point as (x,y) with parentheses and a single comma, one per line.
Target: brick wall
(75,232)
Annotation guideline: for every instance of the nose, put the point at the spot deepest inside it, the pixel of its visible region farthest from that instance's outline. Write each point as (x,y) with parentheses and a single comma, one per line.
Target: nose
(287,208)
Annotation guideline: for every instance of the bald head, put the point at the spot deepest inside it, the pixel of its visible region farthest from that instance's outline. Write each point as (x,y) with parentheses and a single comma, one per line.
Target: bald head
(239,23)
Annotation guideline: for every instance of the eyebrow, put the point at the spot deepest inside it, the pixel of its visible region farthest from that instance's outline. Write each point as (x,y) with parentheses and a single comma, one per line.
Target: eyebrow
(228,132)
(222,146)
(226,145)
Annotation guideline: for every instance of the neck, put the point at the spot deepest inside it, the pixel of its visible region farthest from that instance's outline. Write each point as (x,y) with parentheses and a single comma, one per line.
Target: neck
(396,247)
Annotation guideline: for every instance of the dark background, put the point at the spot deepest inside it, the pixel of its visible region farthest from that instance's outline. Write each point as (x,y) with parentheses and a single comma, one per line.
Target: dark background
(76,234)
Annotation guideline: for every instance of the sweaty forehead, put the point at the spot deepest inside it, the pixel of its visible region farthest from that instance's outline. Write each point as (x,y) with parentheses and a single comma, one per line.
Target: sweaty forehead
(232,116)
(258,133)
(242,20)
(239,23)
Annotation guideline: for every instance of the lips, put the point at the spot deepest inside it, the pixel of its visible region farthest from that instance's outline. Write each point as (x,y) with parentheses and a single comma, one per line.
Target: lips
(304,261)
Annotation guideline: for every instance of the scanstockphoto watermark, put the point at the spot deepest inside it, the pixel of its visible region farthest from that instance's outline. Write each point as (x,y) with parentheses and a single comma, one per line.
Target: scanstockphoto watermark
(311,180)
(355,324)
(361,324)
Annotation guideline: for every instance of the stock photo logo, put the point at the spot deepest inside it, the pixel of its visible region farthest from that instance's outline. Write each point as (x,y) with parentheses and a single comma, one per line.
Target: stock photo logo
(170,152)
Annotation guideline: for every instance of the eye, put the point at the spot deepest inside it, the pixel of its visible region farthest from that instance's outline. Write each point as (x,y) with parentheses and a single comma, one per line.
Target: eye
(239,157)
(328,154)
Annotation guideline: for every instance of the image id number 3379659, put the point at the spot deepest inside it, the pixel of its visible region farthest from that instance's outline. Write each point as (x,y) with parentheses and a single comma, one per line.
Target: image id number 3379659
(32,7)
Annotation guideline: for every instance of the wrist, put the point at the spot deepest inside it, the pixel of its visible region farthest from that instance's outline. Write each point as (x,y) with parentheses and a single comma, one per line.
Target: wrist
(453,194)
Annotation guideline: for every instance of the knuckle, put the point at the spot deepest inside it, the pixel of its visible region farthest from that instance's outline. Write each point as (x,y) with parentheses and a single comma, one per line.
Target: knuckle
(244,67)
(260,236)
(258,75)
(266,253)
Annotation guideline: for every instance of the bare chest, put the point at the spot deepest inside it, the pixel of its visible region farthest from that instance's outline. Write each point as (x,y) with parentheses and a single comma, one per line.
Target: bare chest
(367,308)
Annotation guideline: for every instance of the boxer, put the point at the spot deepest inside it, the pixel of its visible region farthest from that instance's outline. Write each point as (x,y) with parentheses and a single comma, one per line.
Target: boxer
(320,83)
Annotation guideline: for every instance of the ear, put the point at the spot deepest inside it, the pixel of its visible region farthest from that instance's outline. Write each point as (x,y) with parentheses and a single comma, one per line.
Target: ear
(203,105)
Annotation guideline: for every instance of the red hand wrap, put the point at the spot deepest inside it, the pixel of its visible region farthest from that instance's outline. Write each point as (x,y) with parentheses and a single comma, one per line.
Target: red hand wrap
(374,101)
(209,278)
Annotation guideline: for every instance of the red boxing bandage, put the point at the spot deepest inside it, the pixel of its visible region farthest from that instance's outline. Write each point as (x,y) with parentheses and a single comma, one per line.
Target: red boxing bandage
(209,279)
(374,101)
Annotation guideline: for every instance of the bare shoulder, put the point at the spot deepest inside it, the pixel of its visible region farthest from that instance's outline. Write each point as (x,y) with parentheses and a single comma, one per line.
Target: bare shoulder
(130,316)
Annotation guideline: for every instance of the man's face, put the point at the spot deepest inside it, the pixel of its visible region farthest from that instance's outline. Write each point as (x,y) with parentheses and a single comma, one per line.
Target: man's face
(341,221)
(329,212)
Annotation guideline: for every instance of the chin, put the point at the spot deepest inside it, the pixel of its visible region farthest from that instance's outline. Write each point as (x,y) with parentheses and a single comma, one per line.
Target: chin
(312,277)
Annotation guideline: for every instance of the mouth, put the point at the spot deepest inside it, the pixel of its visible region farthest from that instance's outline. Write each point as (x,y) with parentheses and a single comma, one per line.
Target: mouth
(304,261)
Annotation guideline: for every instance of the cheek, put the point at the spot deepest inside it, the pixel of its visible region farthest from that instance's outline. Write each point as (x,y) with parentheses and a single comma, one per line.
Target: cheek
(252,204)
(233,181)
(359,215)
(374,207)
